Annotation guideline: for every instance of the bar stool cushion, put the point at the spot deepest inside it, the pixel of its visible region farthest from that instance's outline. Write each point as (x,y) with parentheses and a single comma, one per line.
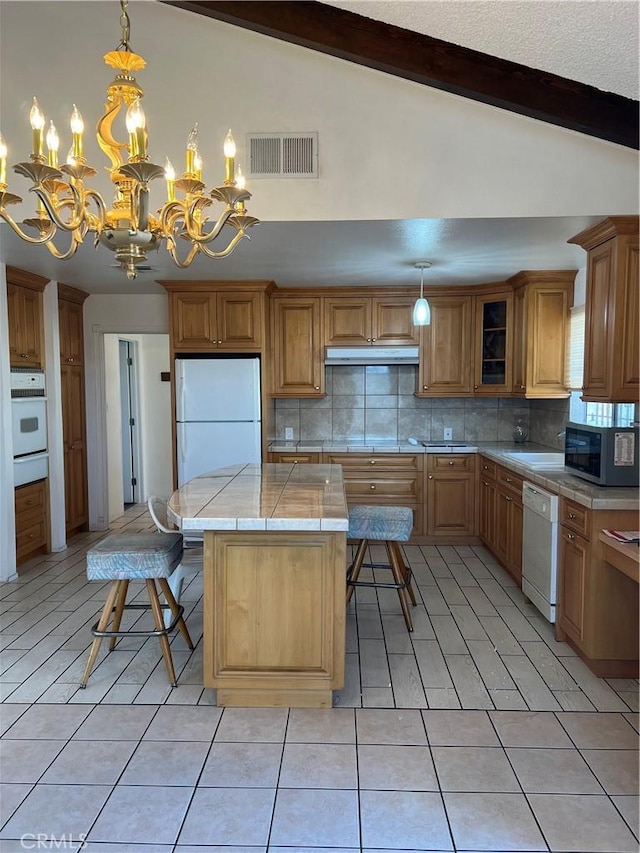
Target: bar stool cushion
(134,556)
(383,523)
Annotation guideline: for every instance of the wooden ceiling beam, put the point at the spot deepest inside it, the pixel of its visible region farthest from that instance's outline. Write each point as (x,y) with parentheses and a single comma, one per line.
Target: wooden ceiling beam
(433,62)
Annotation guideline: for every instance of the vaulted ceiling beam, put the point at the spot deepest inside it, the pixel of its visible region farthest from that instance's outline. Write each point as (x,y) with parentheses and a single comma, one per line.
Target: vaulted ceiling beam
(434,63)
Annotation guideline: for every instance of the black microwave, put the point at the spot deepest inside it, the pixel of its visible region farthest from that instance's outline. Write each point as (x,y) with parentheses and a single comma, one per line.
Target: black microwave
(607,456)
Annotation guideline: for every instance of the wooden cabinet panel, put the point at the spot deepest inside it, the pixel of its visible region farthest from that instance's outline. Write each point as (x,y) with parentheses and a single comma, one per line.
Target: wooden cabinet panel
(597,609)
(347,321)
(70,308)
(193,321)
(541,324)
(32,528)
(493,354)
(445,357)
(500,514)
(24,306)
(240,320)
(365,320)
(487,510)
(450,494)
(298,368)
(295,458)
(612,338)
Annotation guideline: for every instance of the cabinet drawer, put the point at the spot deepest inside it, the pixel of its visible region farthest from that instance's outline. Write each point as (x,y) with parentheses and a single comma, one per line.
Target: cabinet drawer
(362,489)
(363,464)
(450,462)
(30,500)
(509,480)
(31,537)
(575,516)
(487,468)
(295,458)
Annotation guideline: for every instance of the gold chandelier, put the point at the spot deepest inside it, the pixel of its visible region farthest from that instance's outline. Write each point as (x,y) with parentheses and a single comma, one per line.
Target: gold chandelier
(128,228)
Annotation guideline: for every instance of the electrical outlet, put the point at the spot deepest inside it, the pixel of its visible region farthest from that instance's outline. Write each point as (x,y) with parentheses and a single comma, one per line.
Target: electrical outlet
(448,433)
(288,433)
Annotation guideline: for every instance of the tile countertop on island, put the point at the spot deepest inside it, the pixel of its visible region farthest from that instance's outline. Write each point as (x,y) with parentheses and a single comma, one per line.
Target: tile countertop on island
(555,480)
(263,497)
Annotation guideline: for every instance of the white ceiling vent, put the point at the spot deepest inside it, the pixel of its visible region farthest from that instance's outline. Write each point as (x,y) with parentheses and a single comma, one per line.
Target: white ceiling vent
(283,155)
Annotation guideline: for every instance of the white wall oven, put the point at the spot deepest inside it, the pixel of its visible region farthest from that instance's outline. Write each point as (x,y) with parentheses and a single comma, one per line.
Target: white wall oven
(29,425)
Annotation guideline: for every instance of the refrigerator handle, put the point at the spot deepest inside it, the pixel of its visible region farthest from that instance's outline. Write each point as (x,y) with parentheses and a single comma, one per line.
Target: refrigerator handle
(180,398)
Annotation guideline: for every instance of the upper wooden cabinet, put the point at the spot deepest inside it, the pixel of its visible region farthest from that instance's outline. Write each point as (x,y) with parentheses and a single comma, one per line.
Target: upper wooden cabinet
(612,340)
(541,327)
(70,319)
(445,348)
(366,320)
(493,341)
(24,305)
(212,316)
(298,364)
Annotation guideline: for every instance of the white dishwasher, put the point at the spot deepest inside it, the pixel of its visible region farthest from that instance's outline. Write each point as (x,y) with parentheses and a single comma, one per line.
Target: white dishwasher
(540,548)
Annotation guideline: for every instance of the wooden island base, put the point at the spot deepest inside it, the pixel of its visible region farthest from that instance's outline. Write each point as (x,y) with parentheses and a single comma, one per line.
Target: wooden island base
(274,617)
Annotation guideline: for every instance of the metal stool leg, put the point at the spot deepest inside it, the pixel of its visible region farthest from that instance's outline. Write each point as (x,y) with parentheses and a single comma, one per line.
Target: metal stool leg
(354,569)
(159,623)
(102,626)
(173,605)
(123,586)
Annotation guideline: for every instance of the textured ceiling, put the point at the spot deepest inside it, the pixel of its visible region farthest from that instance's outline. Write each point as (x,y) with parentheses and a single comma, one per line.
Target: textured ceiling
(590,41)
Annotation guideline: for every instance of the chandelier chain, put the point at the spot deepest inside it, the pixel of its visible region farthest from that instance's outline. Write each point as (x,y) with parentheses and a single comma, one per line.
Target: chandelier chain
(125,27)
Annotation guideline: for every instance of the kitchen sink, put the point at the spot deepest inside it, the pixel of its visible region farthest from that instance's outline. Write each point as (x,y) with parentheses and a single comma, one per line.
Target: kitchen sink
(538,460)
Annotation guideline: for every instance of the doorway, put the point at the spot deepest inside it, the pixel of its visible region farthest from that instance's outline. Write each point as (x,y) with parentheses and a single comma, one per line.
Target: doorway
(130,420)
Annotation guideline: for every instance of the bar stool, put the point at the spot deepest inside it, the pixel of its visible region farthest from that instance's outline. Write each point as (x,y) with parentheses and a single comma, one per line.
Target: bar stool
(388,524)
(123,557)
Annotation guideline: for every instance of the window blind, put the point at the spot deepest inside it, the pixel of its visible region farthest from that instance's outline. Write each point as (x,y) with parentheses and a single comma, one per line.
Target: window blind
(575,350)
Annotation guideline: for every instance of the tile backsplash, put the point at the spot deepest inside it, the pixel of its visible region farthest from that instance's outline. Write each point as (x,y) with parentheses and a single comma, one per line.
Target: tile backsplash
(377,403)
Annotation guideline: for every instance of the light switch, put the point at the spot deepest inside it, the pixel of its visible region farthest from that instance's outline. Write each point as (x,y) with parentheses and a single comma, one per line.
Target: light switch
(448,433)
(288,433)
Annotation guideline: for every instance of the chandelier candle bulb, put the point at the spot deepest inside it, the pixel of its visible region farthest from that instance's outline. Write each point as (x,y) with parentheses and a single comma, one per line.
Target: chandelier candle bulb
(136,123)
(192,147)
(77,129)
(240,183)
(170,177)
(53,143)
(229,153)
(36,119)
(197,165)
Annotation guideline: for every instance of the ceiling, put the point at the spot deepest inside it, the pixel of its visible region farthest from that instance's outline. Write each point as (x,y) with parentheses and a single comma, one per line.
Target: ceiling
(591,42)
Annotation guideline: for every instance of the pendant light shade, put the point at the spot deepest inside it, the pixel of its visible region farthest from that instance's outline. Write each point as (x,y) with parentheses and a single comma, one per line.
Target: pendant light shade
(421,309)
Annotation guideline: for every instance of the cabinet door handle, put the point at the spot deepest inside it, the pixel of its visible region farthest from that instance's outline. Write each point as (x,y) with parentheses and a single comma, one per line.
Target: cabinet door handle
(425,387)
(373,340)
(317,387)
(522,387)
(29,502)
(295,461)
(485,467)
(372,461)
(570,536)
(450,463)
(572,515)
(368,340)
(508,500)
(24,355)
(372,487)
(430,476)
(475,387)
(508,480)
(219,342)
(484,483)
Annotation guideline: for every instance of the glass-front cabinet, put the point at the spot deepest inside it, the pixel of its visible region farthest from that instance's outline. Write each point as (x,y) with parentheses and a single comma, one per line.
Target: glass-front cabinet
(494,343)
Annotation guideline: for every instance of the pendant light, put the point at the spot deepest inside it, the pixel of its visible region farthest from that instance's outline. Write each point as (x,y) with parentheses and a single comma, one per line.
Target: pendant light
(421,310)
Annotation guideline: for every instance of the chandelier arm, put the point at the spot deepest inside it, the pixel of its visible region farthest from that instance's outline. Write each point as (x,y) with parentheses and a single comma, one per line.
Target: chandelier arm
(78,207)
(239,235)
(73,248)
(98,225)
(197,235)
(36,241)
(182,264)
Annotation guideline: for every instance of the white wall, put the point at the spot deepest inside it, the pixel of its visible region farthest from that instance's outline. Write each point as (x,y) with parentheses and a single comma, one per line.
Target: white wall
(388,148)
(113,425)
(7,517)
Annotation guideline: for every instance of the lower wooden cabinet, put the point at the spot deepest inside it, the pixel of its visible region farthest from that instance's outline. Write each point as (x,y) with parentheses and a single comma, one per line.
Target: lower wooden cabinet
(394,479)
(450,495)
(500,514)
(597,611)
(32,522)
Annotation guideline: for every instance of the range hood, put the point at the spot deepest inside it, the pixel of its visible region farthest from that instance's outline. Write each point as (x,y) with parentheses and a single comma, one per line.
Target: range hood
(371,355)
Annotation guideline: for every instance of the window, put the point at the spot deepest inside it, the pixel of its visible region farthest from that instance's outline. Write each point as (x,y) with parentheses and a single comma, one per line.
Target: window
(595,414)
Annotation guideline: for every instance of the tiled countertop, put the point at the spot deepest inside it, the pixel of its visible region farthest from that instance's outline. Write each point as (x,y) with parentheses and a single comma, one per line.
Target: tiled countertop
(263,497)
(554,480)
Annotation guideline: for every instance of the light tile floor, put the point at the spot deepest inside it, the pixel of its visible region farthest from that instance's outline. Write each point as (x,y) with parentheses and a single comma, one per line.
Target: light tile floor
(477,733)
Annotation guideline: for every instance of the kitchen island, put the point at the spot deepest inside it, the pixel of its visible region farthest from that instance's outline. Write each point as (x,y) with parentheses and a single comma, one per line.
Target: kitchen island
(274,581)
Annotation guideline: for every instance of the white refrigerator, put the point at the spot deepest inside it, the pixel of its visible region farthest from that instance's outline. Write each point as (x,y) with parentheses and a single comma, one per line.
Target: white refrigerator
(217,414)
